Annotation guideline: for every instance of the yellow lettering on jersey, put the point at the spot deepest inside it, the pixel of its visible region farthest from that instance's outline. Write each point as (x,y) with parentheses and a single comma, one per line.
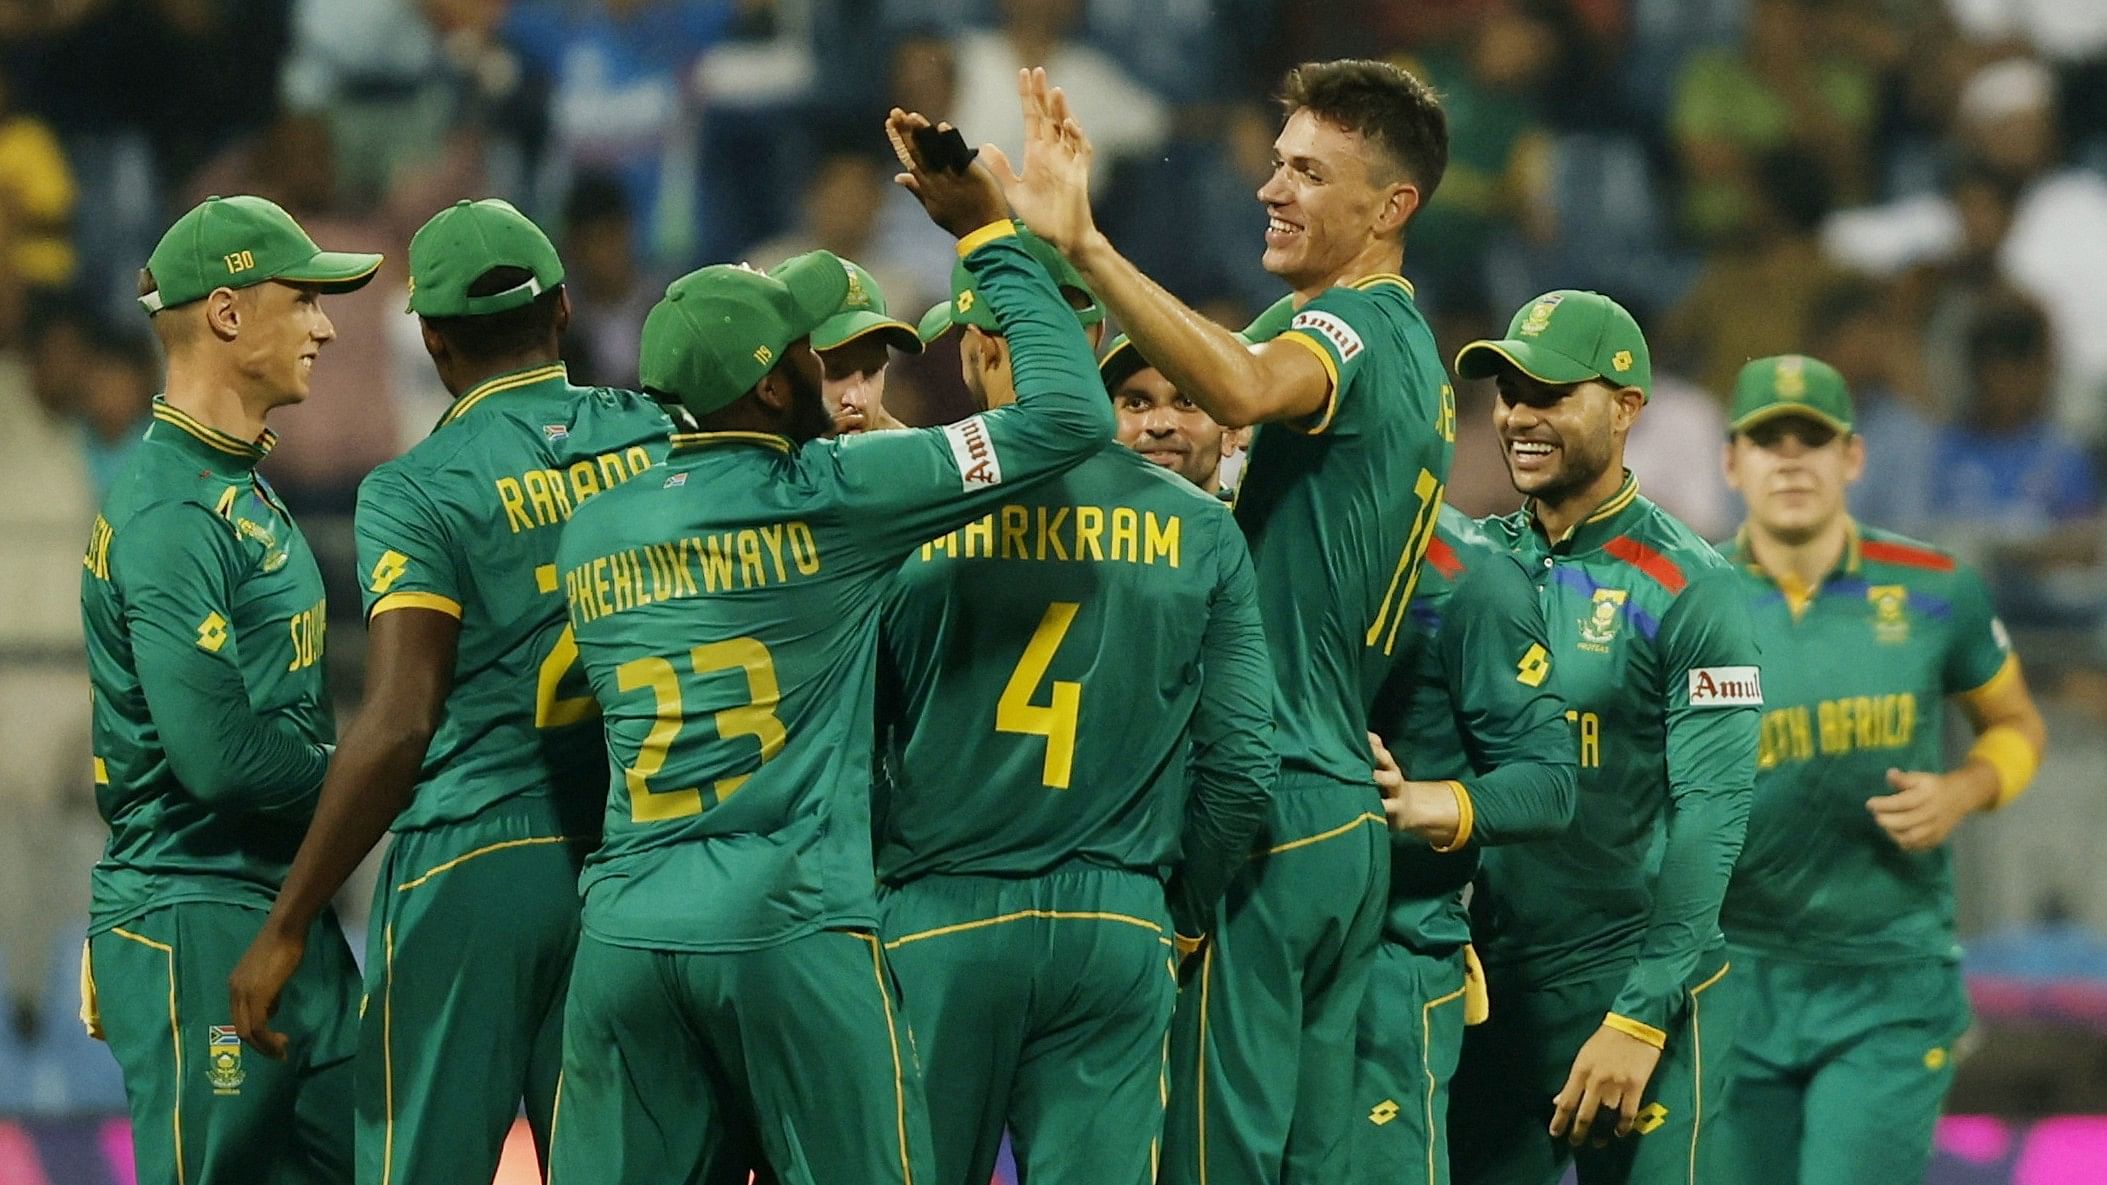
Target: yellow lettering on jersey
(1015,521)
(804,549)
(600,587)
(308,627)
(1126,534)
(546,497)
(97,560)
(772,539)
(1049,535)
(585,480)
(1089,528)
(980,537)
(948,544)
(514,500)
(1588,727)
(1788,735)
(1864,723)
(1159,539)
(624,583)
(717,567)
(751,574)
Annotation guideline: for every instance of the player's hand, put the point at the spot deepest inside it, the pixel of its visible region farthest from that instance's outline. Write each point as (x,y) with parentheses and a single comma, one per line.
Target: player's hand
(1425,809)
(1609,1075)
(257,981)
(961,203)
(1052,192)
(1926,807)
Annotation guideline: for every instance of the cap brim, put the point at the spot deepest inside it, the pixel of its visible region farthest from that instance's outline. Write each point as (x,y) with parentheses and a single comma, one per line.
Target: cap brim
(1483,359)
(1120,363)
(843,328)
(817,284)
(935,323)
(333,271)
(1780,411)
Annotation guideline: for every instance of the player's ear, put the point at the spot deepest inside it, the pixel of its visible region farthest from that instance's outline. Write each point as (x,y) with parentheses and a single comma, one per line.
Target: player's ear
(1626,403)
(1854,457)
(434,345)
(1400,202)
(563,309)
(222,312)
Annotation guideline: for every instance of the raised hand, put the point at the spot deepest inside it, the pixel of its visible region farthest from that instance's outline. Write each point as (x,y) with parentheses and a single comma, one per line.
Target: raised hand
(961,202)
(1052,193)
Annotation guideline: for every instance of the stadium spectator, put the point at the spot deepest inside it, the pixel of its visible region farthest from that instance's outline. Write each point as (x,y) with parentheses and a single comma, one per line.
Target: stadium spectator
(2004,465)
(1787,90)
(1125,119)
(612,290)
(838,212)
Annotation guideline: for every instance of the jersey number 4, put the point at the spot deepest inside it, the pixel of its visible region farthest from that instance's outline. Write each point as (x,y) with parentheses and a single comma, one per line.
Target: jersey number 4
(1015,712)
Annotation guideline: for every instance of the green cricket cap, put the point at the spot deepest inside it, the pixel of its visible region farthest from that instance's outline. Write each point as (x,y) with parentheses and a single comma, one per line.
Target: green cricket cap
(863,312)
(452,251)
(967,308)
(1564,337)
(1790,385)
(239,241)
(719,330)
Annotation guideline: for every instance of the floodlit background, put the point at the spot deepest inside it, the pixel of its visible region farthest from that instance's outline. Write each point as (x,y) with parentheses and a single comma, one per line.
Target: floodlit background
(1915,190)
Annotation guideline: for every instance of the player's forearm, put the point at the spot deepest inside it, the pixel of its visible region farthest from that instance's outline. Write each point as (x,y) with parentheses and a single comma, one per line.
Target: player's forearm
(1207,363)
(224,754)
(1234,760)
(369,785)
(1523,800)
(1050,360)
(1704,838)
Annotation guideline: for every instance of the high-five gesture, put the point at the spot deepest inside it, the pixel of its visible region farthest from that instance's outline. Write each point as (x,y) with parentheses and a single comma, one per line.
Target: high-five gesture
(960,202)
(1052,193)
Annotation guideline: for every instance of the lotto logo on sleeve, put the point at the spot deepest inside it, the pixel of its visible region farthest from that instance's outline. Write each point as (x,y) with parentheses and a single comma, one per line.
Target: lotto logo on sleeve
(1331,329)
(1726,687)
(974,451)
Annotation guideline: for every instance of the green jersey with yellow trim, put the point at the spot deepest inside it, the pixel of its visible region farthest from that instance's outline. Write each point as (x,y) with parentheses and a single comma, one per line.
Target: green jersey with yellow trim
(726,611)
(1045,698)
(1855,675)
(466,523)
(204,617)
(1473,700)
(1657,663)
(1338,511)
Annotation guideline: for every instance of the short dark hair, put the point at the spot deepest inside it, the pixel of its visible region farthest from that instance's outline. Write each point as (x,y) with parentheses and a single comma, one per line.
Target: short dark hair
(500,335)
(1386,104)
(2007,326)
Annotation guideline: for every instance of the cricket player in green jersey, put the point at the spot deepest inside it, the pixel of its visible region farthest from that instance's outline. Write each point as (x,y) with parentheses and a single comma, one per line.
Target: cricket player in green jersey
(204,617)
(1474,717)
(1338,503)
(1079,703)
(1158,421)
(1840,915)
(726,609)
(480,743)
(1607,971)
(854,348)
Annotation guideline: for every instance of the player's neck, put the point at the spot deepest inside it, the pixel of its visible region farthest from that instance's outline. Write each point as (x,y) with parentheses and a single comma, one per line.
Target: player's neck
(215,398)
(1379,258)
(1557,519)
(1800,564)
(466,376)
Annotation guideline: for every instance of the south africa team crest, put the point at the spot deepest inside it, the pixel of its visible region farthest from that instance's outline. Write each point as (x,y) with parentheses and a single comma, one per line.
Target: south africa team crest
(1890,604)
(1599,628)
(223,1060)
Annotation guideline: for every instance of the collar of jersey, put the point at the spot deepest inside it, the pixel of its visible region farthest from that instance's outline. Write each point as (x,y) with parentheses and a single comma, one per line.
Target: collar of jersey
(1799,598)
(222,449)
(1380,279)
(509,381)
(1597,528)
(688,442)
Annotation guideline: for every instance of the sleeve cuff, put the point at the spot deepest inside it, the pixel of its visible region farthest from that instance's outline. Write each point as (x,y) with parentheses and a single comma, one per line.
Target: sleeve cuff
(1001,228)
(415,600)
(1638,1029)
(1331,371)
(1466,817)
(2011,756)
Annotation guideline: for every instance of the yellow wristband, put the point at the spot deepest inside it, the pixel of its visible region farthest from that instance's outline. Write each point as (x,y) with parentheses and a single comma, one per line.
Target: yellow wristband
(1636,1029)
(1466,817)
(1000,228)
(2011,756)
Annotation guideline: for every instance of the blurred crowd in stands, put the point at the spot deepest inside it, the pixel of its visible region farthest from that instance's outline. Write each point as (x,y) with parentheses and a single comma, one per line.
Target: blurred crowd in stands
(1914,190)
